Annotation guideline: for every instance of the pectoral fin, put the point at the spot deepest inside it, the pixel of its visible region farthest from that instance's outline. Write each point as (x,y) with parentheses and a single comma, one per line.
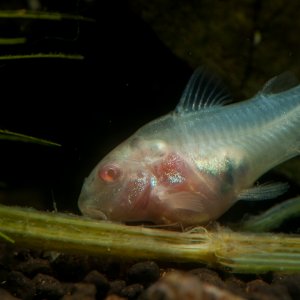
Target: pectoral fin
(185,208)
(182,200)
(264,191)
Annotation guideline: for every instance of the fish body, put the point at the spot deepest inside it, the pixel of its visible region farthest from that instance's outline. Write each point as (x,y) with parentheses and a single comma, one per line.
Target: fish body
(192,164)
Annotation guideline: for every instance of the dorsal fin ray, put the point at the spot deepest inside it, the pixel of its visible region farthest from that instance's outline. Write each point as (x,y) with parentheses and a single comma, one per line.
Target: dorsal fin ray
(280,83)
(203,91)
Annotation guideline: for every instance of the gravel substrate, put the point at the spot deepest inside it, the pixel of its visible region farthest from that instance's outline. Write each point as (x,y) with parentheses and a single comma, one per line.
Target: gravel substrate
(26,274)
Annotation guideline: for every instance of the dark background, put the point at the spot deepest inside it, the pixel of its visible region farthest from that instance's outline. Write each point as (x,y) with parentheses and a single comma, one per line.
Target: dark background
(138,58)
(128,77)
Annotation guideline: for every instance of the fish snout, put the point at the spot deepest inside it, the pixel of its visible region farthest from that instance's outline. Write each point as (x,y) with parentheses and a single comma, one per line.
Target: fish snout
(88,206)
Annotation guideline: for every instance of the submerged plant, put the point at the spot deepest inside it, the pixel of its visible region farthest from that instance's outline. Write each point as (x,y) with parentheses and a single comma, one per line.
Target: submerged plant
(14,136)
(222,248)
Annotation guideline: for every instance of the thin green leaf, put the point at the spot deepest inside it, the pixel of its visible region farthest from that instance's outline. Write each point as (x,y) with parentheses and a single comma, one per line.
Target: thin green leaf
(14,136)
(13,41)
(42,55)
(6,237)
(42,15)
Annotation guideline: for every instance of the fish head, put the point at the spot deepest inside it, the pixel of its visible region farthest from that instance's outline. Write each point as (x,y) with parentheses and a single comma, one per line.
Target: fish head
(120,187)
(148,179)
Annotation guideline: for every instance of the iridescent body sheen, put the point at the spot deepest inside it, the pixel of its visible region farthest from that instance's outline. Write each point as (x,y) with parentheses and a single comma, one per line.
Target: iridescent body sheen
(191,165)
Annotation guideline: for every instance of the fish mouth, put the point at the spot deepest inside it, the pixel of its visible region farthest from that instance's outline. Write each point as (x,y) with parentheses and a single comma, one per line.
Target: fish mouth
(92,212)
(88,209)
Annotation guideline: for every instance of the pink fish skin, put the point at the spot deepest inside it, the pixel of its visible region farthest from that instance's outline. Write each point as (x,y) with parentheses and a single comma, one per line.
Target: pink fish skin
(193,164)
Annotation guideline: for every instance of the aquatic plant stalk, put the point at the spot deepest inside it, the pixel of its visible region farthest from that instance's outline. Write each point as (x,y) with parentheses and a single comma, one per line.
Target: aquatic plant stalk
(43,15)
(12,41)
(14,136)
(237,252)
(42,55)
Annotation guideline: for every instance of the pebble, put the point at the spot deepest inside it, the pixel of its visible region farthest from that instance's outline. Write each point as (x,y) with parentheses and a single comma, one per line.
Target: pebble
(114,297)
(81,291)
(47,287)
(208,276)
(260,290)
(70,266)
(290,281)
(236,286)
(116,287)
(144,273)
(20,285)
(132,291)
(33,266)
(177,285)
(99,280)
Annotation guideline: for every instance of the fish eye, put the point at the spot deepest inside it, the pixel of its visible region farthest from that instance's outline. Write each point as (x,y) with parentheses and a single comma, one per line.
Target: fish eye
(109,173)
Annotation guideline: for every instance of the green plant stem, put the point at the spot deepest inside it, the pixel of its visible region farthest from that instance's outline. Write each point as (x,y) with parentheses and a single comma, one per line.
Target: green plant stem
(43,15)
(42,55)
(13,41)
(14,136)
(238,252)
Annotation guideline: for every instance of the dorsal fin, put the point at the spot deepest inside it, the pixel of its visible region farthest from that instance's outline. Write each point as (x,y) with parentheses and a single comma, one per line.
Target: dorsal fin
(202,91)
(280,83)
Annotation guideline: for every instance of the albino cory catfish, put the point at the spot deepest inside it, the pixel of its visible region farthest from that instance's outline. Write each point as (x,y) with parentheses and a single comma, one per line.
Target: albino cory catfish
(192,164)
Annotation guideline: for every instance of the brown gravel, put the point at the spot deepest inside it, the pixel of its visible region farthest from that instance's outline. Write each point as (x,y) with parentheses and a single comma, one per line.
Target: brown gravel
(26,274)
